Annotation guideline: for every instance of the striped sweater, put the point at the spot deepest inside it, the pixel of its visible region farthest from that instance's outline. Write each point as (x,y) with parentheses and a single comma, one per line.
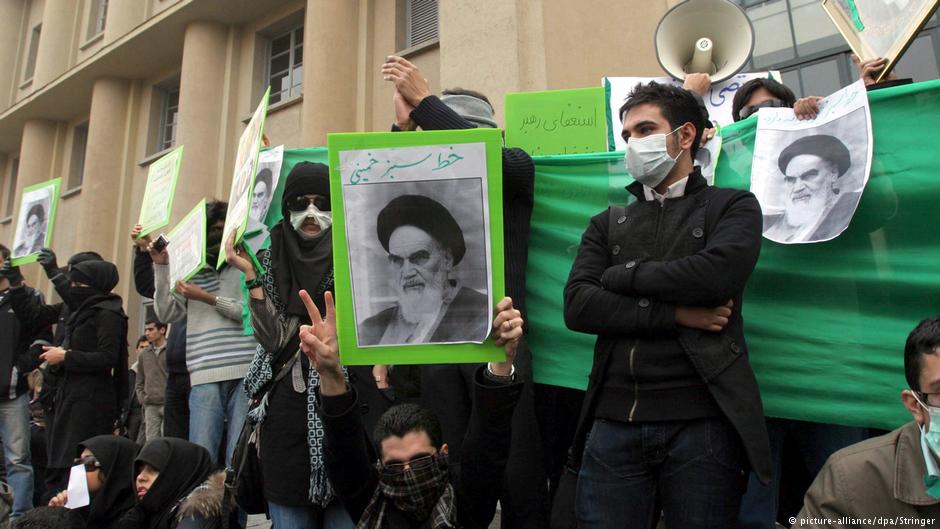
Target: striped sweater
(216,347)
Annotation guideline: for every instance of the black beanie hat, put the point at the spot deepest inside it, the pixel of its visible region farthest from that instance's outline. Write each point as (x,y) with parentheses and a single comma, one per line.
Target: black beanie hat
(306,178)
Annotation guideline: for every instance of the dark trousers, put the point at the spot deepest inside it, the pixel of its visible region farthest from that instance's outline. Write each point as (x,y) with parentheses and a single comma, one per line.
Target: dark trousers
(693,470)
(176,406)
(811,444)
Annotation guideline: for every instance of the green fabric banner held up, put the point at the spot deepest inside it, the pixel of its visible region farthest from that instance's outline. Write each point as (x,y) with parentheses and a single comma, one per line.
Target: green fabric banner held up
(826,322)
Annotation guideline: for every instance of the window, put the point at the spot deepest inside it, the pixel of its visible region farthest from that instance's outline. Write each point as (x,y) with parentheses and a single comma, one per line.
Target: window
(77,165)
(33,51)
(798,38)
(97,15)
(169,118)
(286,65)
(420,22)
(11,187)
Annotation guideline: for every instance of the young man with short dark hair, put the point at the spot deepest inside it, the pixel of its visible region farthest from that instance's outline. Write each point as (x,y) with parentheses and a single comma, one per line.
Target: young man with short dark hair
(673,408)
(150,384)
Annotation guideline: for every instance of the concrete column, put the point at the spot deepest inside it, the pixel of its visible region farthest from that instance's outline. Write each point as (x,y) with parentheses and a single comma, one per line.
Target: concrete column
(11,16)
(201,113)
(55,44)
(37,153)
(511,32)
(123,16)
(104,166)
(330,64)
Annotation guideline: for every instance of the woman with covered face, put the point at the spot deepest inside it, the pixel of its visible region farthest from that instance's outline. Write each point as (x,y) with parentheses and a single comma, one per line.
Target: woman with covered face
(109,473)
(91,362)
(280,380)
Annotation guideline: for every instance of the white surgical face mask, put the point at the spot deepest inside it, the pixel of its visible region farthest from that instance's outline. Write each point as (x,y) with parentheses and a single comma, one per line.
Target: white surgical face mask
(323,218)
(647,159)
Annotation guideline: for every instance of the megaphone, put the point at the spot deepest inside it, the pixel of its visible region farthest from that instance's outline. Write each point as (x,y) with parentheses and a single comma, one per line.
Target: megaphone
(704,36)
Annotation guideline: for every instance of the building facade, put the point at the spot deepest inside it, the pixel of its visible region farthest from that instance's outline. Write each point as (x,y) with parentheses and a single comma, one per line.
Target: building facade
(93,91)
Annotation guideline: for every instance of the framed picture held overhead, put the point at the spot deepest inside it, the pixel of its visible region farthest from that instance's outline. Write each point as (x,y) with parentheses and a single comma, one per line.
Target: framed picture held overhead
(876,29)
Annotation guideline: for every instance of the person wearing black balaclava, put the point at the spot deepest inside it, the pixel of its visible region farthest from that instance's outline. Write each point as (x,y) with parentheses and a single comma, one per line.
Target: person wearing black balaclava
(217,350)
(109,475)
(291,433)
(92,361)
(32,310)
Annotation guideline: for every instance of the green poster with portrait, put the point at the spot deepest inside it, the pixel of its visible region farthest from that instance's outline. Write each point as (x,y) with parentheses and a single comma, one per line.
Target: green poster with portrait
(35,221)
(417,245)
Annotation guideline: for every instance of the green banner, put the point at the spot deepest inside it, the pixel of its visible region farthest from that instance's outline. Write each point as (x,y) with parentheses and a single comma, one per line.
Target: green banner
(825,323)
(557,121)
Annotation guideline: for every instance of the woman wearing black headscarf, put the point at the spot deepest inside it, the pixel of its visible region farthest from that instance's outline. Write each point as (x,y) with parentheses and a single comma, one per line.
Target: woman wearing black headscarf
(91,363)
(291,434)
(176,487)
(109,471)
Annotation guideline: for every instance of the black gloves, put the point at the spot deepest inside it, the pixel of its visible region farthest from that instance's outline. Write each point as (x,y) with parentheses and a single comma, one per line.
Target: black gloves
(47,259)
(12,273)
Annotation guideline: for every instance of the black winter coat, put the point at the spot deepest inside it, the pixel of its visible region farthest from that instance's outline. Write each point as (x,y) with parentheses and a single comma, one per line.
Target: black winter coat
(622,295)
(87,401)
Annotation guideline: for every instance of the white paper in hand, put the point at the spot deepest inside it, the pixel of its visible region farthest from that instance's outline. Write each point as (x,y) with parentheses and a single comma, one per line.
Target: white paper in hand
(78,488)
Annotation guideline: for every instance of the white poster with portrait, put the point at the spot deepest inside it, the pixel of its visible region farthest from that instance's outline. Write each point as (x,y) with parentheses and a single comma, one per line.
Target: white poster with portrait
(809,175)
(417,229)
(266,180)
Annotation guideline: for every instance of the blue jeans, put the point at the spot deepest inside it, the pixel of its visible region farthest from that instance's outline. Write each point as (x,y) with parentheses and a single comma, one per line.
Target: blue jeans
(287,517)
(15,433)
(693,470)
(815,442)
(211,407)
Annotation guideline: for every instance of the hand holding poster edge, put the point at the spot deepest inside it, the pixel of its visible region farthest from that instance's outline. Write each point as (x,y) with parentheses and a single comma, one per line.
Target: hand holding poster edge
(350,353)
(173,237)
(174,158)
(248,149)
(852,29)
(55,185)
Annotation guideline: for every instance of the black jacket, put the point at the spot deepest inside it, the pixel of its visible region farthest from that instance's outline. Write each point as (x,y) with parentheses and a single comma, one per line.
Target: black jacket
(350,458)
(518,193)
(88,399)
(18,355)
(626,297)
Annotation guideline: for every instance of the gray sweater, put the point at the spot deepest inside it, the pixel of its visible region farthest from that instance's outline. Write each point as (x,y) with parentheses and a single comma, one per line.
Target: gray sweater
(216,346)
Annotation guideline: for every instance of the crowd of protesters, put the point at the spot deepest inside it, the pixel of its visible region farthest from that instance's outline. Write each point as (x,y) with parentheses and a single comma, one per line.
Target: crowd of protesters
(212,422)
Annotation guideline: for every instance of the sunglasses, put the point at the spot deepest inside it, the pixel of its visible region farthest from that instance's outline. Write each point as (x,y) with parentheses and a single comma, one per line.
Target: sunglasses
(418,463)
(300,203)
(749,110)
(90,463)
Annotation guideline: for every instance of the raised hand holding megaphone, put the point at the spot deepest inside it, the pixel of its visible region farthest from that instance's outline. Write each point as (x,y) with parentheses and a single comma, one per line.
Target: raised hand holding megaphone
(704,36)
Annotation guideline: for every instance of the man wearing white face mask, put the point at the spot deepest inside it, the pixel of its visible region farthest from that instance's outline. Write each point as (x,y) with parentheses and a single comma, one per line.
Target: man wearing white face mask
(672,416)
(895,475)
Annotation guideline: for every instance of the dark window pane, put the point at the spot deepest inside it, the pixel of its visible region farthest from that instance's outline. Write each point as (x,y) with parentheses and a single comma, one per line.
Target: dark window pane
(298,55)
(280,44)
(791,80)
(920,60)
(299,35)
(279,64)
(822,78)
